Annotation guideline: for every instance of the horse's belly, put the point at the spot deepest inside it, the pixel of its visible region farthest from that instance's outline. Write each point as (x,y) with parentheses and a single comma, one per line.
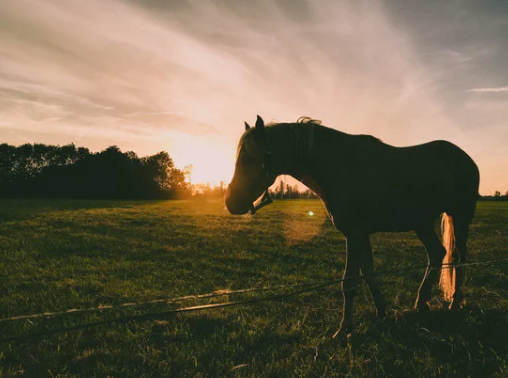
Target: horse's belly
(384,217)
(400,220)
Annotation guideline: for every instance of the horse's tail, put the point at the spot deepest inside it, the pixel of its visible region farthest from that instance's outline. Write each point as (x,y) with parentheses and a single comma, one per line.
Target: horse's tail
(447,281)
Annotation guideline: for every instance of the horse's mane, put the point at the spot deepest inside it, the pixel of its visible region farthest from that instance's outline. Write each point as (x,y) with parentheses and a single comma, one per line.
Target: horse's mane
(303,119)
(302,134)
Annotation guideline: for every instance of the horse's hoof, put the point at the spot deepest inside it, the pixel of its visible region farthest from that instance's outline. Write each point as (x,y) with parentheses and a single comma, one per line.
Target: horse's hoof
(345,330)
(342,337)
(338,334)
(422,307)
(381,314)
(455,305)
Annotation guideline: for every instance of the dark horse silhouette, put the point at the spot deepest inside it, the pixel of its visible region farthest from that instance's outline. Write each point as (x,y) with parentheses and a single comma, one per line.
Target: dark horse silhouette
(368,186)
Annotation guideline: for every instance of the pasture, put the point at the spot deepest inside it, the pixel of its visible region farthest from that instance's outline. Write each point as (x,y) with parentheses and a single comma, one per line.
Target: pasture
(59,255)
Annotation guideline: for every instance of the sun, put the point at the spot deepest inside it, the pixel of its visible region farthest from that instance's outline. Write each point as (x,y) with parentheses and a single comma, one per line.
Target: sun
(212,161)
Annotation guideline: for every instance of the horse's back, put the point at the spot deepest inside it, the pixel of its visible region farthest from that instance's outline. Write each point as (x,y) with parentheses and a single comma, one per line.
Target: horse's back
(425,166)
(450,160)
(387,188)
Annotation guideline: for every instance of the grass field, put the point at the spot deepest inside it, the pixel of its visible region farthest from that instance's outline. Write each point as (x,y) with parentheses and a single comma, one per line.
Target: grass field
(59,255)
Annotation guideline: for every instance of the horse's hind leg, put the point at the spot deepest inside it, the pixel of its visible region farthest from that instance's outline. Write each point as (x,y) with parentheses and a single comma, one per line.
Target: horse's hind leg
(367,268)
(435,253)
(461,234)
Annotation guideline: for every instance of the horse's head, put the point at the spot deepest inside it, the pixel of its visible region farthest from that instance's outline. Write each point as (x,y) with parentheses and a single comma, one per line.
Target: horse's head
(253,169)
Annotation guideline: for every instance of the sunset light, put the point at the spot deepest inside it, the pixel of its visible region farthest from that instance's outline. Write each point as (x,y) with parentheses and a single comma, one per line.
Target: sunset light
(269,188)
(212,161)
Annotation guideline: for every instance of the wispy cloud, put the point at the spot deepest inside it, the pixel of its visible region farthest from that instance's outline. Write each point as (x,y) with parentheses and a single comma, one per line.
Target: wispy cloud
(216,64)
(489,90)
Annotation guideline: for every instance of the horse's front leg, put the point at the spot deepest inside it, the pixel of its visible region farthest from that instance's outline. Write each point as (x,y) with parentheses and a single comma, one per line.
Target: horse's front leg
(350,281)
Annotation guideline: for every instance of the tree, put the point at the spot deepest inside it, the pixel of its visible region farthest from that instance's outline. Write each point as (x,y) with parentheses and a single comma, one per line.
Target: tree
(52,171)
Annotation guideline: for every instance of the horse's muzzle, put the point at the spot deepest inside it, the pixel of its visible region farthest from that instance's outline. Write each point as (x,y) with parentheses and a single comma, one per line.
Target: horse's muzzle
(234,205)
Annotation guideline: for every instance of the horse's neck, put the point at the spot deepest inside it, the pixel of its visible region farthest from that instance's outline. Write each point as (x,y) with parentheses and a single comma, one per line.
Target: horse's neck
(292,148)
(298,152)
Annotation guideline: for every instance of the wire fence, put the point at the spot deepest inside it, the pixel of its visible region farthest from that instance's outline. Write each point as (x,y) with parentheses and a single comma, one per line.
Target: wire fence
(302,288)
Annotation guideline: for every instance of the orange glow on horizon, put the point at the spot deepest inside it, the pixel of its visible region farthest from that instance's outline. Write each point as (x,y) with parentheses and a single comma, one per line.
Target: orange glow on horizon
(212,162)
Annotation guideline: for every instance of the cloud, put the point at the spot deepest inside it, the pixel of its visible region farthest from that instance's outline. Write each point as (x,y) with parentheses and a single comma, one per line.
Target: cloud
(92,64)
(218,63)
(489,90)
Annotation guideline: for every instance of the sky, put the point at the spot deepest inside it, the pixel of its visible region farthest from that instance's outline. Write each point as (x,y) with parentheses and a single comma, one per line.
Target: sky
(182,76)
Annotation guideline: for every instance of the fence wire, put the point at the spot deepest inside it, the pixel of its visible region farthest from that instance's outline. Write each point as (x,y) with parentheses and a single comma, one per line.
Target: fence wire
(303,288)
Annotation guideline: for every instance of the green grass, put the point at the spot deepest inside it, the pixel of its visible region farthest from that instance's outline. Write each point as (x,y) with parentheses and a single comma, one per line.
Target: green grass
(58,255)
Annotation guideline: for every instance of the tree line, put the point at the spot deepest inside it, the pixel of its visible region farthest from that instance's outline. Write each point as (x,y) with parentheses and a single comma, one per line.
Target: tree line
(496,197)
(280,191)
(45,171)
(286,191)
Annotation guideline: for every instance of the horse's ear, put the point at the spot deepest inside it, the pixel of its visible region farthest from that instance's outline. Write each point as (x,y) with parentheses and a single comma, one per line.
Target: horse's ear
(260,124)
(247,127)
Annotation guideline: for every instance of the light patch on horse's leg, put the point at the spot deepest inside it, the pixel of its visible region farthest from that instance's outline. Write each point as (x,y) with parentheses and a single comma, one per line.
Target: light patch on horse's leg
(435,253)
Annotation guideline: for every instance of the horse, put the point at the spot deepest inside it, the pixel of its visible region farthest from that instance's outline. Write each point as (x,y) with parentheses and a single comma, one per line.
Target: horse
(368,186)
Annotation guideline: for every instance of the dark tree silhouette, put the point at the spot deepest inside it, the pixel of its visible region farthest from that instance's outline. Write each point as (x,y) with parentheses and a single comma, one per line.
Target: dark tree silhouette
(68,172)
